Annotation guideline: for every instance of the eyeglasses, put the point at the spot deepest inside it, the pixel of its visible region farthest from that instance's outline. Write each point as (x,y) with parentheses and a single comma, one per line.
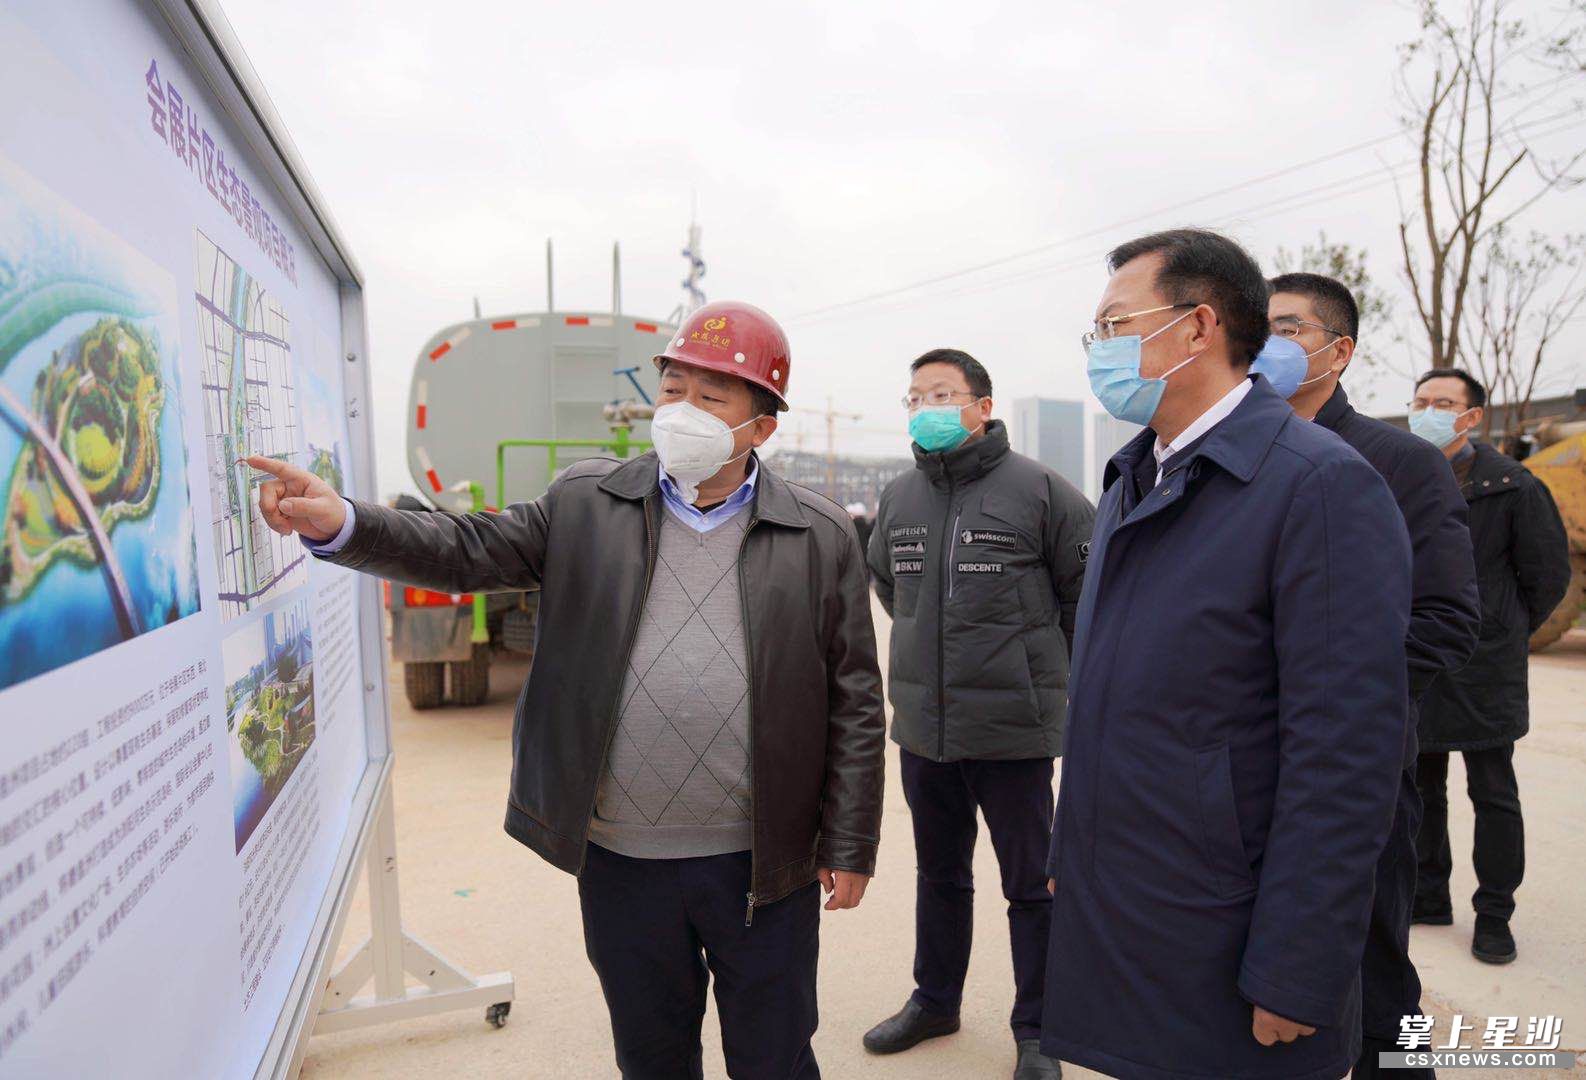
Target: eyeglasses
(935,397)
(1289,326)
(1107,326)
(1442,404)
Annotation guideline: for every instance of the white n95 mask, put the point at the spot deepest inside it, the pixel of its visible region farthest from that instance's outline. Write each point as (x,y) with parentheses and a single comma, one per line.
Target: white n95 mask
(692,444)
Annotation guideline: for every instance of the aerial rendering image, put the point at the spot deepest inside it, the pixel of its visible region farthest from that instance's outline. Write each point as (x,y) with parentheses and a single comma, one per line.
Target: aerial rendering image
(98,526)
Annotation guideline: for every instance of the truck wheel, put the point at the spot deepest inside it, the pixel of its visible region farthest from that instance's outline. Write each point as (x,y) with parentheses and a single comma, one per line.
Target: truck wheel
(517,631)
(1568,610)
(425,683)
(471,677)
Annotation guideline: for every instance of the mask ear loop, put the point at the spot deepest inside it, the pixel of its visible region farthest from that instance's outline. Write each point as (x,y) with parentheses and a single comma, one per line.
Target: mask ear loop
(1170,326)
(750,450)
(1323,349)
(980,426)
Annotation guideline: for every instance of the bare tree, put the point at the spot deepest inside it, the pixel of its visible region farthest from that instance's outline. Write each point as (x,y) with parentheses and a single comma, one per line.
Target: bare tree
(1523,296)
(1469,85)
(1347,264)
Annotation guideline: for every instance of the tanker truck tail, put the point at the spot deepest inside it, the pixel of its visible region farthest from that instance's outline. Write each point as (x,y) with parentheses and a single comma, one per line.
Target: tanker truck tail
(496,407)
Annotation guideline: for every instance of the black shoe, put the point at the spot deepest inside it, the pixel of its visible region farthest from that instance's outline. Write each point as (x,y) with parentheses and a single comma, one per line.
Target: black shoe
(1492,943)
(910,1026)
(1427,915)
(1034,1065)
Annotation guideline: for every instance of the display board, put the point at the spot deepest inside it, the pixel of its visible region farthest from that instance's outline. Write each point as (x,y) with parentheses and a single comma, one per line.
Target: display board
(194,735)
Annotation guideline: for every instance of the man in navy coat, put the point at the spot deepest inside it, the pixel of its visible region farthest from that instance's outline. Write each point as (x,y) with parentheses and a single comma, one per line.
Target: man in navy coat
(1320,315)
(1238,703)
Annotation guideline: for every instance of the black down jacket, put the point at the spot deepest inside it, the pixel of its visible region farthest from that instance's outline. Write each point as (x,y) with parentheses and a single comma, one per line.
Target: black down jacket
(1522,572)
(979,557)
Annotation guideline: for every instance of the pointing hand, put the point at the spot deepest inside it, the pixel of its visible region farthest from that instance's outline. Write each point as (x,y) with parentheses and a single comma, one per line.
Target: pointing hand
(298,501)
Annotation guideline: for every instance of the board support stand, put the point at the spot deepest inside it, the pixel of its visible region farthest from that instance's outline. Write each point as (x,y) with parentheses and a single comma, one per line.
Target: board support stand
(389,955)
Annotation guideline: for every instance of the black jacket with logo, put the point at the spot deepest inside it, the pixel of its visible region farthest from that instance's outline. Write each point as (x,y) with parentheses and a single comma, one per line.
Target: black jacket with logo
(979,556)
(1522,572)
(589,545)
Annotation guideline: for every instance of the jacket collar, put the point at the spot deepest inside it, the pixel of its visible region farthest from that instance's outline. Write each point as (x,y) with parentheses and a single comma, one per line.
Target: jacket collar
(968,462)
(774,500)
(1238,444)
(1492,473)
(1336,411)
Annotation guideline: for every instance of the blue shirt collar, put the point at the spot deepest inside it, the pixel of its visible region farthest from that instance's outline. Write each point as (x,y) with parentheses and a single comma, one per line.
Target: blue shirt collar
(705,520)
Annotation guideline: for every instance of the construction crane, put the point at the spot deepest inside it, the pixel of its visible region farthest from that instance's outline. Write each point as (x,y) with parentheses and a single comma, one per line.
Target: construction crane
(832,416)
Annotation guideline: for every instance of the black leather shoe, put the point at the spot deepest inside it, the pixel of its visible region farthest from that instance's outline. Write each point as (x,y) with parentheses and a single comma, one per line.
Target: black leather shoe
(910,1026)
(1034,1065)
(1492,943)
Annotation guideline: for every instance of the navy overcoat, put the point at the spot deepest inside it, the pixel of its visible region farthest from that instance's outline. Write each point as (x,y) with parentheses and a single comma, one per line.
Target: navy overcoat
(1237,718)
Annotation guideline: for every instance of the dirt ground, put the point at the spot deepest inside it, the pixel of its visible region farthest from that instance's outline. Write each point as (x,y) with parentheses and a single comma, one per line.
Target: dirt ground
(487,904)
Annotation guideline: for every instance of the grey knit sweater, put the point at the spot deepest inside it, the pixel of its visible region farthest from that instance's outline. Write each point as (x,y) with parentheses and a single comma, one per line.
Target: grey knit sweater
(677,780)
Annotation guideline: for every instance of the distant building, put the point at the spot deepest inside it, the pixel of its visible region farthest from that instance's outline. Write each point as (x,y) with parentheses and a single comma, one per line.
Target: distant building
(1108,434)
(1052,432)
(853,479)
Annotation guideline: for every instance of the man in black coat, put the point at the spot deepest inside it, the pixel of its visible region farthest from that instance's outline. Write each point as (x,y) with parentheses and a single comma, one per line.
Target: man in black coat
(1522,566)
(978,556)
(1320,315)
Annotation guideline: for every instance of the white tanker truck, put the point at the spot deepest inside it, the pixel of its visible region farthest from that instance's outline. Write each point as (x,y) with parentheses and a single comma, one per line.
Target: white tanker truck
(496,406)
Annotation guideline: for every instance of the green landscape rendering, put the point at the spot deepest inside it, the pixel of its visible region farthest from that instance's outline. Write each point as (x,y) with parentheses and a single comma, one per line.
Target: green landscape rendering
(269,669)
(97,530)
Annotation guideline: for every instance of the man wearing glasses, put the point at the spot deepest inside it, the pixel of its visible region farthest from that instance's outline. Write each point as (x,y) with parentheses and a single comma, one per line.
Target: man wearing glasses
(1238,704)
(1320,315)
(1522,566)
(978,556)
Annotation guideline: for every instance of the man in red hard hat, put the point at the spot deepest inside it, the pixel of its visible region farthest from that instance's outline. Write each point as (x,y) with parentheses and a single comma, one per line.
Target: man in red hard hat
(701,737)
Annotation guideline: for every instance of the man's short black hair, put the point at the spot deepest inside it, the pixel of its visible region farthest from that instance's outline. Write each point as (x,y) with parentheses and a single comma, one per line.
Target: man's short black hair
(762,402)
(1334,303)
(974,374)
(1475,393)
(1202,267)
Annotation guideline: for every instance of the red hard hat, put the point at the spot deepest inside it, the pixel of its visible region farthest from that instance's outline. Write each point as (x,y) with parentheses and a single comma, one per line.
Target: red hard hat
(735,338)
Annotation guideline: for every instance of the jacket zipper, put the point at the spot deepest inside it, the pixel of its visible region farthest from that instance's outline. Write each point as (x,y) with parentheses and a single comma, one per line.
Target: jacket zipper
(748,667)
(952,556)
(627,650)
(941,647)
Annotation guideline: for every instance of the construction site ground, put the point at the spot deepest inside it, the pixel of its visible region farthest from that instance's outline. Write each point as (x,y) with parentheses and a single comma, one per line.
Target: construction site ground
(486,903)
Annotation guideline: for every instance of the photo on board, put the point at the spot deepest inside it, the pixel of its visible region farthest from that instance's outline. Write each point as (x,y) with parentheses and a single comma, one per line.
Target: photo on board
(269,672)
(98,525)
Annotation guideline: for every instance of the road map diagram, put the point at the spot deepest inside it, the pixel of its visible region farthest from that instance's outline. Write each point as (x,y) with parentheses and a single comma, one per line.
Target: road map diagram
(250,407)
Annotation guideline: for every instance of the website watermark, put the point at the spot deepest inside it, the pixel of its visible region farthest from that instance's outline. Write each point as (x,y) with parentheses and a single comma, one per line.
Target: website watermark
(1477,1059)
(1501,1045)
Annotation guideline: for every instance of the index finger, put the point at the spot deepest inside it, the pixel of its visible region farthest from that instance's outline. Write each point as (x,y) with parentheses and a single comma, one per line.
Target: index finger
(274,466)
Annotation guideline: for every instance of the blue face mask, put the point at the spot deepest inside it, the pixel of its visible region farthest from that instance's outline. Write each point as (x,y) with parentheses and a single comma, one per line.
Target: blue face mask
(1436,426)
(1285,362)
(938,427)
(1113,365)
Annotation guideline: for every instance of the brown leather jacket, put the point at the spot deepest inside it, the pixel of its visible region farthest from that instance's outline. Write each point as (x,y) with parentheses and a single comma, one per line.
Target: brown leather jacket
(589,545)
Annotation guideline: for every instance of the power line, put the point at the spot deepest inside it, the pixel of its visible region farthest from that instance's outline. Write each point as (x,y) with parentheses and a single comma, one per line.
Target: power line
(1075,238)
(1372,179)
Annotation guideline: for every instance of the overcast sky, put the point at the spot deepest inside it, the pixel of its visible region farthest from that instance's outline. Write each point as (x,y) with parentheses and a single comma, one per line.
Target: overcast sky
(837,151)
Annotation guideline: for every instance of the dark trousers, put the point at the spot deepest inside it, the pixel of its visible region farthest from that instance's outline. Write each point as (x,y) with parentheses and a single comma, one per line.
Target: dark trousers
(1390,987)
(1499,850)
(1016,799)
(657,930)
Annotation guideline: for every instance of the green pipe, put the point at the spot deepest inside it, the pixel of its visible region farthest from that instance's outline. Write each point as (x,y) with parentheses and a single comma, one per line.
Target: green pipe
(619,444)
(481,632)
